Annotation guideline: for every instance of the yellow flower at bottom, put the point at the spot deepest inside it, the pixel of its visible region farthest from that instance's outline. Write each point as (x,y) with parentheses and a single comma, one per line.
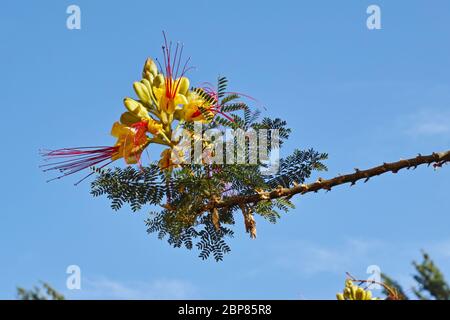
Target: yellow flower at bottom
(169,159)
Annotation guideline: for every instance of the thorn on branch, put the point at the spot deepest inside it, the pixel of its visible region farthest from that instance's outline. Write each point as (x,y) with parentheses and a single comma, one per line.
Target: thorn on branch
(436,159)
(438,164)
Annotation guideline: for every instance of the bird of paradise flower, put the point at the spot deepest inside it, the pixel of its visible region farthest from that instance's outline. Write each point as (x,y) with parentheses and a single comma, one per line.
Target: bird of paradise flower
(163,96)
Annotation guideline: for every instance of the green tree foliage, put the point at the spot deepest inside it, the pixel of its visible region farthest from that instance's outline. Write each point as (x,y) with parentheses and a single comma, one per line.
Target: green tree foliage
(183,192)
(38,293)
(395,286)
(430,280)
(431,284)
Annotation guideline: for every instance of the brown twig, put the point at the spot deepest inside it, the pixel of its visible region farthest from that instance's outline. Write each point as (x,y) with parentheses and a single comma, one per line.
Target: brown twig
(437,159)
(392,294)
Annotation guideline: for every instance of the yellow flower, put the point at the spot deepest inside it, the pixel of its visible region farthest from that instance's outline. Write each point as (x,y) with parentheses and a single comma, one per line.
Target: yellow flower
(171,92)
(169,96)
(192,109)
(169,159)
(165,161)
(354,292)
(130,144)
(131,141)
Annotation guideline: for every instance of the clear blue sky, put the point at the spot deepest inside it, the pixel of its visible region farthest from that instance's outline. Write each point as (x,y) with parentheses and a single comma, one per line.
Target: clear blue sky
(362,96)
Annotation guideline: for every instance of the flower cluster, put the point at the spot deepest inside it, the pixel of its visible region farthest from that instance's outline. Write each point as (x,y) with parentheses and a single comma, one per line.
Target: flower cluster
(354,292)
(164,96)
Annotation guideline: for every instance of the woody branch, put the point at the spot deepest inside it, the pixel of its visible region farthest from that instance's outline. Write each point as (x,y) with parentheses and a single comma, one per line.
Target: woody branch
(437,159)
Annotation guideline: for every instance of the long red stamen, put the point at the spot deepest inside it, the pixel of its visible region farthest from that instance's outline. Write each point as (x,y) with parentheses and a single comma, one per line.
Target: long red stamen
(179,60)
(216,107)
(77,159)
(171,65)
(174,61)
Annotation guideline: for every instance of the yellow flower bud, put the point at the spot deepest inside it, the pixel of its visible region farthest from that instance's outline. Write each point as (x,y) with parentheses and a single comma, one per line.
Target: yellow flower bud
(150,66)
(340,296)
(158,82)
(147,75)
(368,295)
(353,291)
(347,293)
(147,84)
(142,92)
(136,108)
(128,118)
(359,295)
(132,105)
